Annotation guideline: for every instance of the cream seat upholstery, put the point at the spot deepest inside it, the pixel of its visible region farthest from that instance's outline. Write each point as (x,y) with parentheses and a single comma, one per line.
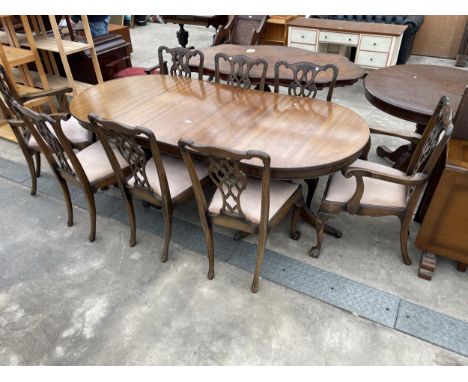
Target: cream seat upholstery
(95,163)
(177,175)
(250,199)
(75,133)
(376,192)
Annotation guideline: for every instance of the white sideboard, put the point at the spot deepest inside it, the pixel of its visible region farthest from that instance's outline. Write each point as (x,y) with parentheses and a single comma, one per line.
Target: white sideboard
(377,45)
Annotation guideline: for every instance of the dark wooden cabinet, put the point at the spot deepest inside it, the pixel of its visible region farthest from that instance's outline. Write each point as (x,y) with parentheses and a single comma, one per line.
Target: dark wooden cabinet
(444,230)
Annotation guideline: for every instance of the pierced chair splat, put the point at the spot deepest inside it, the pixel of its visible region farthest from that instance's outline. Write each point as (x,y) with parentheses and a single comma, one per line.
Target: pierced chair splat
(372,189)
(303,84)
(78,136)
(89,169)
(240,202)
(180,58)
(161,180)
(239,70)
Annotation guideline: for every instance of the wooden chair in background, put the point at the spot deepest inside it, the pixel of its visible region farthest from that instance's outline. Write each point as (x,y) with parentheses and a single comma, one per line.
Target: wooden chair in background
(89,169)
(240,202)
(180,58)
(372,189)
(303,84)
(239,73)
(78,136)
(161,180)
(241,30)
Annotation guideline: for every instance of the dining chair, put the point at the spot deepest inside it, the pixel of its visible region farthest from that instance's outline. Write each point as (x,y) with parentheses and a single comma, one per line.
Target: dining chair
(159,179)
(372,189)
(180,58)
(241,202)
(241,30)
(78,136)
(303,84)
(239,70)
(89,168)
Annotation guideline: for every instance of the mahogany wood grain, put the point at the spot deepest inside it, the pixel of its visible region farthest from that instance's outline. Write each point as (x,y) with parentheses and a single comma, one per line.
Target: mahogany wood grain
(411,92)
(348,72)
(305,138)
(348,26)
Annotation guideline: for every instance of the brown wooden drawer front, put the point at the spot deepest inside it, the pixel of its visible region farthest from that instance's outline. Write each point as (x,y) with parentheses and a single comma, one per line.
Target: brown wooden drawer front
(444,230)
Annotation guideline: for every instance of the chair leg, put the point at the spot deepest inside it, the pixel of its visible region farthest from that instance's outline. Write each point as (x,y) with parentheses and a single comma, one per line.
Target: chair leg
(321,220)
(37,155)
(404,231)
(311,186)
(208,231)
(295,234)
(92,214)
(167,211)
(262,237)
(66,197)
(32,172)
(131,218)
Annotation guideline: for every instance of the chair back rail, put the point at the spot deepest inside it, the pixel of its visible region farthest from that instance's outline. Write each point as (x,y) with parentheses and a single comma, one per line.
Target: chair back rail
(239,70)
(225,170)
(304,76)
(180,61)
(117,136)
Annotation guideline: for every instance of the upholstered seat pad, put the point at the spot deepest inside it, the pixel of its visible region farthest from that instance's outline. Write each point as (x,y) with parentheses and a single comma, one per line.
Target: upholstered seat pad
(376,192)
(178,177)
(95,163)
(251,197)
(72,130)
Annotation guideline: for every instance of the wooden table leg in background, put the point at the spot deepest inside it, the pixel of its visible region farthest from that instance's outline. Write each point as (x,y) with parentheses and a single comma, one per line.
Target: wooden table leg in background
(427,265)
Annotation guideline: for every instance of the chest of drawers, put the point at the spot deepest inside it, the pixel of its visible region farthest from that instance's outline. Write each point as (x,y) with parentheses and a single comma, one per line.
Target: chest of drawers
(375,45)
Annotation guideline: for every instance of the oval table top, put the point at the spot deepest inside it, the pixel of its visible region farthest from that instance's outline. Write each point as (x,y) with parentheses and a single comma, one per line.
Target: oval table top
(411,92)
(305,138)
(348,72)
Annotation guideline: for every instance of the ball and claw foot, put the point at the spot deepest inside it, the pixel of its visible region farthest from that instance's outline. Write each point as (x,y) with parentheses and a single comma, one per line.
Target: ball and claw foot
(210,275)
(314,252)
(295,235)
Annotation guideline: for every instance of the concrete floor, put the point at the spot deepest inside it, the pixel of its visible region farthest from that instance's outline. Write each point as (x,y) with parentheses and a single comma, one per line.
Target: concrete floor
(66,301)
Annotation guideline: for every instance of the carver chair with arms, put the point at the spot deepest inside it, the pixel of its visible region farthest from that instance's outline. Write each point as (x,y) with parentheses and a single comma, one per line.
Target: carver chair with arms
(161,180)
(372,189)
(78,136)
(239,70)
(303,84)
(89,169)
(241,30)
(241,202)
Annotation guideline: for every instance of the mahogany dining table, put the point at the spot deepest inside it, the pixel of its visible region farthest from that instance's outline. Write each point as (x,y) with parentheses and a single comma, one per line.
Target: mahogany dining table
(305,138)
(348,72)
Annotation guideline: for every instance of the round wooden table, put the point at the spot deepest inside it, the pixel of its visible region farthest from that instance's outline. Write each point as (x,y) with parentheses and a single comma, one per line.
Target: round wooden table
(306,138)
(348,72)
(411,92)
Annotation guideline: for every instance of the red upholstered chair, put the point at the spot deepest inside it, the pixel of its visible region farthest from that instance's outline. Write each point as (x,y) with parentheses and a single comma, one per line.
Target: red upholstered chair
(122,67)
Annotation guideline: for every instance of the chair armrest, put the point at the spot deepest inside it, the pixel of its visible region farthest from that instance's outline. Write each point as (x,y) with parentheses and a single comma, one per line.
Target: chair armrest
(407,180)
(60,94)
(46,93)
(409,136)
(352,206)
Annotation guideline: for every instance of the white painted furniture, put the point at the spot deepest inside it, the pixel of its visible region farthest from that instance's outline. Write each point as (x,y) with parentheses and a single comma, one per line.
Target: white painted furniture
(377,45)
